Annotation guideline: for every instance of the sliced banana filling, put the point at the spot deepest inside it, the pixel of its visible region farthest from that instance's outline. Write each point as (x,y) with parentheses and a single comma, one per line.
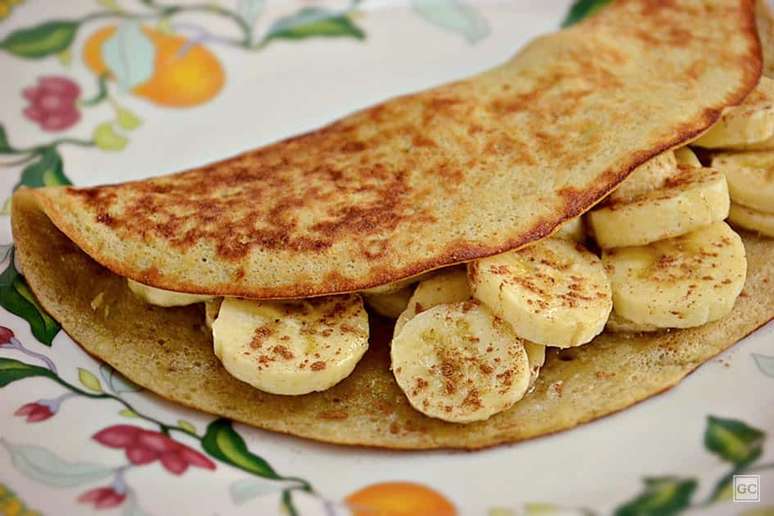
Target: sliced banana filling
(572,230)
(554,293)
(752,220)
(686,157)
(750,177)
(446,287)
(460,363)
(291,347)
(166,298)
(469,343)
(690,199)
(618,324)
(389,304)
(748,124)
(681,282)
(649,176)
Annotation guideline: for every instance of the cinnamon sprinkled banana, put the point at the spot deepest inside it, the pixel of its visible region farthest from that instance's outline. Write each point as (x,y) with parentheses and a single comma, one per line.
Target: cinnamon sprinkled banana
(291,347)
(445,287)
(752,220)
(554,292)
(693,198)
(680,282)
(460,363)
(166,298)
(649,176)
(750,177)
(749,123)
(389,304)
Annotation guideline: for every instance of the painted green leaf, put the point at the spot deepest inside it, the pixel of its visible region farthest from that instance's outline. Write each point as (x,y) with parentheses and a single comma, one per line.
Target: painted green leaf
(12,370)
(186,425)
(43,466)
(5,147)
(311,22)
(127,119)
(41,40)
(724,489)
(46,171)
(106,138)
(222,442)
(127,413)
(455,16)
(17,298)
(582,9)
(733,440)
(663,496)
(88,380)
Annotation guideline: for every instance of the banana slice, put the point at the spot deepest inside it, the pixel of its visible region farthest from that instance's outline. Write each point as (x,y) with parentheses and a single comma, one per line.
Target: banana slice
(750,122)
(752,220)
(750,177)
(651,175)
(681,282)
(618,324)
(571,230)
(554,292)
(390,304)
(211,309)
(686,157)
(536,357)
(391,288)
(460,363)
(693,198)
(446,287)
(291,347)
(166,298)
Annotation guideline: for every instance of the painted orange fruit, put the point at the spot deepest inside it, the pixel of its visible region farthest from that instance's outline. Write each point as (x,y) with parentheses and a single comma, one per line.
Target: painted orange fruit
(399,499)
(184,75)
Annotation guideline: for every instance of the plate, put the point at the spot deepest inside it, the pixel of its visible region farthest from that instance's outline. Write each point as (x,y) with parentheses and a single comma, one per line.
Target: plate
(112,90)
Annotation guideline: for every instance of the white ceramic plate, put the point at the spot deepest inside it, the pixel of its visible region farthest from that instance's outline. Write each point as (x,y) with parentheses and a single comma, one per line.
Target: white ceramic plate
(75,438)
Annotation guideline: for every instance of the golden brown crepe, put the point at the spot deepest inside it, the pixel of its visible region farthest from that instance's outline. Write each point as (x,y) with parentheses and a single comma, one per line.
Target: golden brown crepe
(458,172)
(169,351)
(423,181)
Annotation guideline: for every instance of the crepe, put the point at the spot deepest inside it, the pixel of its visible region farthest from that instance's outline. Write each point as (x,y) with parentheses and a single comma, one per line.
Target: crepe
(169,351)
(455,173)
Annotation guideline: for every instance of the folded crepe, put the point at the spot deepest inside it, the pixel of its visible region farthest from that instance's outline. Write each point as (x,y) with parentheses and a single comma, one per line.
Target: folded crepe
(452,174)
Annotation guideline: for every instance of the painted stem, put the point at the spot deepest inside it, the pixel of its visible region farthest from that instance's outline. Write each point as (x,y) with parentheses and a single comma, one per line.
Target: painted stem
(16,344)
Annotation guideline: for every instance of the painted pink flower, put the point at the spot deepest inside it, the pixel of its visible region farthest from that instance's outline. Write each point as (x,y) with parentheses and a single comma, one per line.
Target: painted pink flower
(34,412)
(103,497)
(52,103)
(145,446)
(5,336)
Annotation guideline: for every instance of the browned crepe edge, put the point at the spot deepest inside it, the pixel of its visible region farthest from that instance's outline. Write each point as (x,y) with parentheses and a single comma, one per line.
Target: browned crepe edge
(576,202)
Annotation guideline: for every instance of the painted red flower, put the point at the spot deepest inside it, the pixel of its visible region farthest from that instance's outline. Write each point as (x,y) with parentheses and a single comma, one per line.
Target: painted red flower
(5,335)
(145,446)
(35,412)
(103,497)
(52,103)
